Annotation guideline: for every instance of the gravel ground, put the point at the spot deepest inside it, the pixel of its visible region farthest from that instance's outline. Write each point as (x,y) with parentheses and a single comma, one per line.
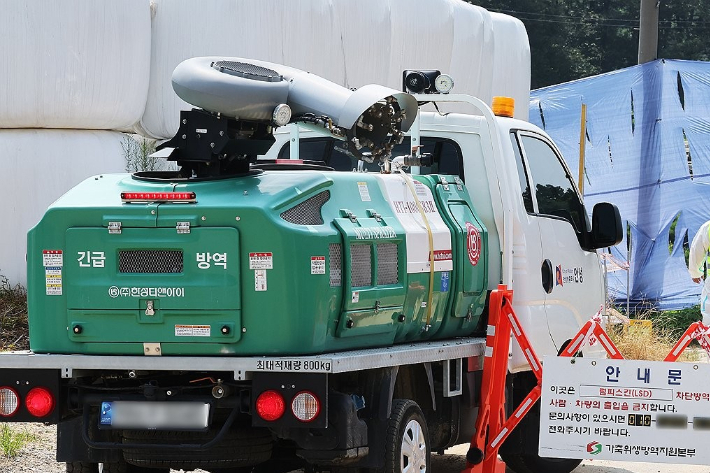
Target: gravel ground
(38,457)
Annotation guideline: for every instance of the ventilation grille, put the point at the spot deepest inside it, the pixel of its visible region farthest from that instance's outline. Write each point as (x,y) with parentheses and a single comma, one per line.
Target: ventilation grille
(387,264)
(361,265)
(335,255)
(308,211)
(248,71)
(150,261)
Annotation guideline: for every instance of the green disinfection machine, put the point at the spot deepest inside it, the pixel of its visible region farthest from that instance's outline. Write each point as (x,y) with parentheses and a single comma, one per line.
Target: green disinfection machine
(277,261)
(234,256)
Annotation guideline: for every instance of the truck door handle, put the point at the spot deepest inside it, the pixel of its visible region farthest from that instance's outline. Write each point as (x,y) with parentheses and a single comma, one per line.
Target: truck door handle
(547,280)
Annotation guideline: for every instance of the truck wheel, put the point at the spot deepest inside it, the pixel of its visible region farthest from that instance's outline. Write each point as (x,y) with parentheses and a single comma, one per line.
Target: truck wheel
(240,469)
(82,467)
(407,447)
(123,467)
(536,464)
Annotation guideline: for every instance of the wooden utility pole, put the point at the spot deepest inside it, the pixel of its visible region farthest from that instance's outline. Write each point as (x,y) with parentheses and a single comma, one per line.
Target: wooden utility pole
(582,147)
(648,31)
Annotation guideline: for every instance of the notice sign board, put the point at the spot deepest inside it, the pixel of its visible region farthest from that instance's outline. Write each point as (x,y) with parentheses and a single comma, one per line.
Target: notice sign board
(626,410)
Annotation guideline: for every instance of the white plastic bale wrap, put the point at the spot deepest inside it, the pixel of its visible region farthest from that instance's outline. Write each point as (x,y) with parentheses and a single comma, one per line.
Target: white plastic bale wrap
(38,167)
(422,34)
(303,34)
(511,62)
(74,64)
(312,38)
(350,42)
(366,41)
(472,54)
(183,29)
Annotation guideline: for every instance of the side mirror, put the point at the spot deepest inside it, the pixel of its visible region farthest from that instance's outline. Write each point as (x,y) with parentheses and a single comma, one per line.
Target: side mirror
(606,225)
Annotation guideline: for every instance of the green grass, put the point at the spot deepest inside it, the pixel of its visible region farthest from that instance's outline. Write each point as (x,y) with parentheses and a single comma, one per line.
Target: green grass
(675,322)
(12,441)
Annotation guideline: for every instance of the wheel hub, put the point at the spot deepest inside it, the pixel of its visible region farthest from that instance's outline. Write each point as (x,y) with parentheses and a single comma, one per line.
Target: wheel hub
(414,448)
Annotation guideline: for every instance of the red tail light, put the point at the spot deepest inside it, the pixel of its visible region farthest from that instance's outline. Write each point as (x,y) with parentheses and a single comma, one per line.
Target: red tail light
(305,406)
(270,405)
(158,197)
(39,402)
(9,401)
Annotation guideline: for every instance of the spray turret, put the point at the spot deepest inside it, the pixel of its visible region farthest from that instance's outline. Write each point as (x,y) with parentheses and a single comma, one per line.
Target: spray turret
(240,101)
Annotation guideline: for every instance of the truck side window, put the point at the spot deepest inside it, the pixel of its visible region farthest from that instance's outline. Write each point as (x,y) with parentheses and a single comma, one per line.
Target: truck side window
(554,190)
(522,175)
(312,150)
(446,155)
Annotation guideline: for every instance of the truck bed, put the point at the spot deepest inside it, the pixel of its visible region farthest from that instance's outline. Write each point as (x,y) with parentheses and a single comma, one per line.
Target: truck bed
(339,362)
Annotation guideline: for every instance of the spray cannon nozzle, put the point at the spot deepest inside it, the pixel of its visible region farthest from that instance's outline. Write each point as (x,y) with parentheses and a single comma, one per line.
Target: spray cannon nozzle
(254,91)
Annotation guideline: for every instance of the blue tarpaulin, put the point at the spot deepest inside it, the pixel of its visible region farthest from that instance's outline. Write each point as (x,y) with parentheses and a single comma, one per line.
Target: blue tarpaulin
(648,152)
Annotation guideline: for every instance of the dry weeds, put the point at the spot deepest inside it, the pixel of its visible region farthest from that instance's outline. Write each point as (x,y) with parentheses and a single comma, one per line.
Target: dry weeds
(13,317)
(651,345)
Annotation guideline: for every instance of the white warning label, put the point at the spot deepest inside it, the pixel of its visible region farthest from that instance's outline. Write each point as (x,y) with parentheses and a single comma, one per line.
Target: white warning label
(54,290)
(53,280)
(260,280)
(192,330)
(317,264)
(364,191)
(52,258)
(261,261)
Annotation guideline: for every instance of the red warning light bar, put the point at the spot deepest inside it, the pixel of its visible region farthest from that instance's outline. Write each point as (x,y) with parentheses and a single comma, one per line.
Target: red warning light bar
(158,197)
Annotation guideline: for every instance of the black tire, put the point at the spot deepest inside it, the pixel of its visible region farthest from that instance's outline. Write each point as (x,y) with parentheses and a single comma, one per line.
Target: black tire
(241,447)
(239,469)
(82,467)
(268,467)
(123,467)
(536,464)
(407,443)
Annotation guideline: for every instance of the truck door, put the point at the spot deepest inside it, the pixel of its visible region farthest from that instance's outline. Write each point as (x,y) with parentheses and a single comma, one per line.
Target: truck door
(481,181)
(570,275)
(529,273)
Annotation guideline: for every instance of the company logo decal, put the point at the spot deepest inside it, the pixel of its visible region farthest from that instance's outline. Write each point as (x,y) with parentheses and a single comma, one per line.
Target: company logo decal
(594,448)
(568,275)
(473,243)
(443,255)
(115,291)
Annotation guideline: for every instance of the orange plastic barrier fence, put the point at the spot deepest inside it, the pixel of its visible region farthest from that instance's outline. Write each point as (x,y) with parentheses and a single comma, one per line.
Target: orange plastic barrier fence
(492,428)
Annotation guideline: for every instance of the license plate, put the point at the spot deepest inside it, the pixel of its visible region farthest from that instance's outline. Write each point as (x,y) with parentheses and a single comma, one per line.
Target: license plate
(154,415)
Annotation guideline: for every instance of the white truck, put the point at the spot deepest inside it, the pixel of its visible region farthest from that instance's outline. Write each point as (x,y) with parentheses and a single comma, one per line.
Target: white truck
(136,385)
